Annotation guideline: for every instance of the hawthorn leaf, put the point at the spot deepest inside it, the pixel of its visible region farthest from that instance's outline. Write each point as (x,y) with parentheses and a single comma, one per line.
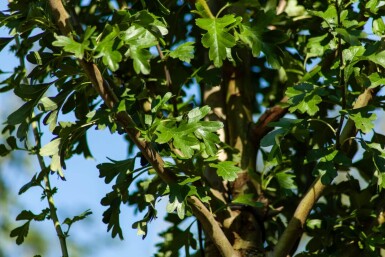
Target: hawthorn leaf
(110,56)
(184,52)
(248,199)
(376,80)
(71,46)
(77,218)
(35,181)
(327,172)
(21,232)
(305,98)
(28,91)
(110,170)
(197,114)
(217,38)
(286,180)
(3,150)
(51,148)
(141,59)
(252,37)
(186,144)
(160,102)
(227,170)
(378,58)
(21,114)
(4,41)
(363,118)
(177,198)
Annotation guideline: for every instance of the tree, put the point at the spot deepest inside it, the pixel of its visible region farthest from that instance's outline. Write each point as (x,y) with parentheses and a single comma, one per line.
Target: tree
(278,139)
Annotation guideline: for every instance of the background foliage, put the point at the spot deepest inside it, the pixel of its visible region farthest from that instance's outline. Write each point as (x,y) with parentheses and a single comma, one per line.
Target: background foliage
(129,67)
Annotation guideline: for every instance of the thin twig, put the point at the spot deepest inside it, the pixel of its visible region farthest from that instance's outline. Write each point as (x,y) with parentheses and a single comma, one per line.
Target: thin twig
(168,80)
(48,193)
(47,187)
(261,128)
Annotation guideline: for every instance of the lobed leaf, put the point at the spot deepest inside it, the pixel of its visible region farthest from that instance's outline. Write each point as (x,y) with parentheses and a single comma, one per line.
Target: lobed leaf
(226,169)
(217,38)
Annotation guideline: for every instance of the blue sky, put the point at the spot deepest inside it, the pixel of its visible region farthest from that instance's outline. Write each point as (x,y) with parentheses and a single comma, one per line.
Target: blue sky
(82,190)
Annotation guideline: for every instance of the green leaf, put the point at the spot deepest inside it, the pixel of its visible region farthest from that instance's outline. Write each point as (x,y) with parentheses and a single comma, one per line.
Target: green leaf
(378,58)
(3,150)
(35,181)
(105,48)
(378,26)
(25,215)
(273,137)
(141,59)
(51,148)
(111,215)
(20,232)
(377,153)
(139,37)
(329,17)
(248,199)
(227,170)
(48,104)
(252,37)
(11,141)
(4,41)
(363,118)
(351,37)
(326,171)
(185,135)
(28,91)
(197,114)
(21,114)
(141,227)
(160,102)
(286,180)
(110,170)
(217,38)
(186,144)
(305,98)
(376,80)
(327,161)
(177,199)
(71,46)
(184,52)
(77,218)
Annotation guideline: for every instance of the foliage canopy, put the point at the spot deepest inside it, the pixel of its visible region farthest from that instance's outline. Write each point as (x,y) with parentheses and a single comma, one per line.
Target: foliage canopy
(296,83)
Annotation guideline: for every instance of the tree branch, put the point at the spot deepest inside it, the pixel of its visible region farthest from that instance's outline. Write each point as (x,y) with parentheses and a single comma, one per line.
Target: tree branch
(294,229)
(110,99)
(261,128)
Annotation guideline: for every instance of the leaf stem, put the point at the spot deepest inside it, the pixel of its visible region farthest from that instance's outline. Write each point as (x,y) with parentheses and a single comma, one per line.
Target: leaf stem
(222,9)
(206,8)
